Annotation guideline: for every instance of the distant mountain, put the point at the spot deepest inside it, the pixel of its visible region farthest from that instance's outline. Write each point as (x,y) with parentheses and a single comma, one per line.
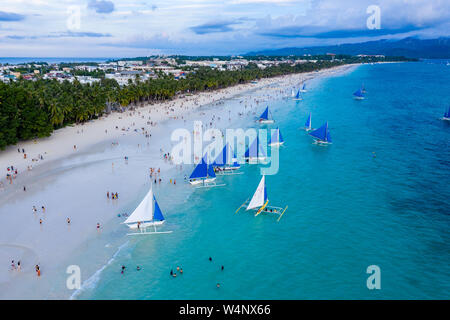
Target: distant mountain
(408,47)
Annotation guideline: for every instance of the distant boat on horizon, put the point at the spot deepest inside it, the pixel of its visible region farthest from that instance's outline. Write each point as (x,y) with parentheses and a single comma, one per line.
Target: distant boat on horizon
(322,135)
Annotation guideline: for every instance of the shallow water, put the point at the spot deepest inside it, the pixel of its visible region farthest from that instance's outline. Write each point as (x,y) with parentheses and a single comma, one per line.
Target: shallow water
(377,196)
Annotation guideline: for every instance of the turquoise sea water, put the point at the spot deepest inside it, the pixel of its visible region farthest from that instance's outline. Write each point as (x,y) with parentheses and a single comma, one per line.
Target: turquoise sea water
(347,208)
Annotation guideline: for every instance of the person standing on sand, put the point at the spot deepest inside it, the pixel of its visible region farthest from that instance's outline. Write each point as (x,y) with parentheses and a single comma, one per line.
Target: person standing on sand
(18,265)
(38,270)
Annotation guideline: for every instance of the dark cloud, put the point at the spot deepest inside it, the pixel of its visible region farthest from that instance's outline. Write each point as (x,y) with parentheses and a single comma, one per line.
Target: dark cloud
(82,34)
(320,33)
(62,35)
(101,6)
(211,27)
(10,16)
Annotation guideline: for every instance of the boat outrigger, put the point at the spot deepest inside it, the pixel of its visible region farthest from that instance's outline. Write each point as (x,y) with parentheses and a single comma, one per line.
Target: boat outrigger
(226,162)
(358,95)
(260,202)
(203,175)
(255,152)
(147,214)
(447,115)
(264,117)
(321,135)
(308,123)
(276,139)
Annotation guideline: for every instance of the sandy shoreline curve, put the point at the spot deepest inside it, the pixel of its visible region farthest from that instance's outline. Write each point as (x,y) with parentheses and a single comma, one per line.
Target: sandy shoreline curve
(53,245)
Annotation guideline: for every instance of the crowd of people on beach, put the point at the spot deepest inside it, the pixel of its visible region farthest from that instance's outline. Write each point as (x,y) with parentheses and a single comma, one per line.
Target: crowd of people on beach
(249,106)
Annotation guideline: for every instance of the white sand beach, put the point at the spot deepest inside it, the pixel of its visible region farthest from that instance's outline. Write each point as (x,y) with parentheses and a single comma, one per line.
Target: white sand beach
(71,182)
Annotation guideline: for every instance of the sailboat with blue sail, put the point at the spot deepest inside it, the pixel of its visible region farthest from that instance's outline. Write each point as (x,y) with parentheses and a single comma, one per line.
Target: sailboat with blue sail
(447,115)
(298,96)
(321,135)
(264,117)
(308,123)
(358,94)
(255,152)
(203,175)
(276,139)
(363,89)
(147,214)
(303,89)
(226,161)
(260,202)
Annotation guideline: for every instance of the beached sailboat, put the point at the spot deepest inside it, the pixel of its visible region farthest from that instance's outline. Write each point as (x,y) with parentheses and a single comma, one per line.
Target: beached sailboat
(147,214)
(264,117)
(298,96)
(303,89)
(255,152)
(447,115)
(308,123)
(203,175)
(226,162)
(321,135)
(358,95)
(260,202)
(276,139)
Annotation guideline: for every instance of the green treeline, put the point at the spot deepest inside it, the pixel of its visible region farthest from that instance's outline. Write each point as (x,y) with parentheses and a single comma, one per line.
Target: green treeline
(33,109)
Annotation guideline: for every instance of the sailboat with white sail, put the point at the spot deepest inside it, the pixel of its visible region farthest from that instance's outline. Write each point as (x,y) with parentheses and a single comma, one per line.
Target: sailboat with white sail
(322,135)
(147,214)
(260,202)
(264,117)
(446,115)
(255,152)
(276,139)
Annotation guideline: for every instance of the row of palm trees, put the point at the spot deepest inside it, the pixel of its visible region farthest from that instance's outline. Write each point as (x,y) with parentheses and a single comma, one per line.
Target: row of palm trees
(30,109)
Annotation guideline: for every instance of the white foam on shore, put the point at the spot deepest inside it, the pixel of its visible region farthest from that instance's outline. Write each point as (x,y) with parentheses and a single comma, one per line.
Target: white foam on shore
(93,280)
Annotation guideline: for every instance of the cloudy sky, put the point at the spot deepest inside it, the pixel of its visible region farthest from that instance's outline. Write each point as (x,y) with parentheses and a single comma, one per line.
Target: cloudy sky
(120,28)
